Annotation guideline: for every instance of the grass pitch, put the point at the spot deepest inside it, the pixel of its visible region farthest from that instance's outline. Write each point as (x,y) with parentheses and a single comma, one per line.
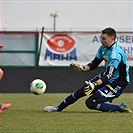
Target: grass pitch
(26,115)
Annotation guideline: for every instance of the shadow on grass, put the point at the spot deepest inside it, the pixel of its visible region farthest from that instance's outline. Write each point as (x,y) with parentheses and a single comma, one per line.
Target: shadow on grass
(81,112)
(41,112)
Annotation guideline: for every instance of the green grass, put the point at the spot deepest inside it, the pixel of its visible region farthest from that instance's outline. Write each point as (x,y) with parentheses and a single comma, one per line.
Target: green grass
(26,115)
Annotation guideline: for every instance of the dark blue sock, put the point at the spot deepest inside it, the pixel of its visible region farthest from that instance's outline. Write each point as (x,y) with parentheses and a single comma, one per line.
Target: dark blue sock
(108,107)
(69,100)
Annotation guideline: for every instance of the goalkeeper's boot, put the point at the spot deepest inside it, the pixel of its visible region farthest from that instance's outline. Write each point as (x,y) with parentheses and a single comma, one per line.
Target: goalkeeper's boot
(51,108)
(125,108)
(4,106)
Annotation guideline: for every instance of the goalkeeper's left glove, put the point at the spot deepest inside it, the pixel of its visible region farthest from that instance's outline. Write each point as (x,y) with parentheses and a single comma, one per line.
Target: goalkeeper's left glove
(89,87)
(77,67)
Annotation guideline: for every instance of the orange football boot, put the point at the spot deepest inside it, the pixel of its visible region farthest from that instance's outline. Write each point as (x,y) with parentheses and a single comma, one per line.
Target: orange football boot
(4,106)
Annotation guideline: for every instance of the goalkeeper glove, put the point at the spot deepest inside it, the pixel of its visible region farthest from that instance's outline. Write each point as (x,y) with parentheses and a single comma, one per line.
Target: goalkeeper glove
(89,87)
(77,67)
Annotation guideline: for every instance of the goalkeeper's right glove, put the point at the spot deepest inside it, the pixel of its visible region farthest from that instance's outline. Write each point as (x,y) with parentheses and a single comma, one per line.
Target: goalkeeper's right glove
(77,67)
(89,87)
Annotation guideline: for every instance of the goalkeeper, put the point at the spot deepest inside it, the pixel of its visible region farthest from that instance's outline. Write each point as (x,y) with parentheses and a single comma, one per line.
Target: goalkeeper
(106,86)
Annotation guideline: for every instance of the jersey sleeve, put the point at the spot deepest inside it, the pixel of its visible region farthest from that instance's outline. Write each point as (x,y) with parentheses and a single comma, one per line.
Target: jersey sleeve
(97,60)
(99,54)
(94,64)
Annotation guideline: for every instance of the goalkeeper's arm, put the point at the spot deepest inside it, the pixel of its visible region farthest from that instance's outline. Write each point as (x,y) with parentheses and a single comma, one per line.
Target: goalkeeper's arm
(90,66)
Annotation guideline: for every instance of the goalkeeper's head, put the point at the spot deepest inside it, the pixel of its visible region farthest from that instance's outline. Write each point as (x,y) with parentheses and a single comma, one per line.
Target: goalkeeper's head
(108,37)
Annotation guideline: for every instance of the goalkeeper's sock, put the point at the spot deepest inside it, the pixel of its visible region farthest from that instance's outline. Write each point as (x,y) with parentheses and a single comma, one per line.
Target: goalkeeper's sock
(108,107)
(69,100)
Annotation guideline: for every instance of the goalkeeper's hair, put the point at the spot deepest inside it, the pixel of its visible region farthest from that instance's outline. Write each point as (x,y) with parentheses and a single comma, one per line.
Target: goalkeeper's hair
(110,32)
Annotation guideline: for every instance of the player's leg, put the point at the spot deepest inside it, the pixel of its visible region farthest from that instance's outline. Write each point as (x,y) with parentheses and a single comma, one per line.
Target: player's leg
(98,99)
(72,98)
(96,103)
(3,105)
(1,73)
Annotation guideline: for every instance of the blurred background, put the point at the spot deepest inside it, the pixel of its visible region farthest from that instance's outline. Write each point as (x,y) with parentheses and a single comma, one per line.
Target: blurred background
(41,39)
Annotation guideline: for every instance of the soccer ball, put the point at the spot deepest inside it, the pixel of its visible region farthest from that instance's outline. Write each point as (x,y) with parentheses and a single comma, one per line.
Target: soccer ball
(38,87)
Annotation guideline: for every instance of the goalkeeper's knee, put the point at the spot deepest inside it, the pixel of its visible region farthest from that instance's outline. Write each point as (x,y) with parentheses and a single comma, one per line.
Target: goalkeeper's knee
(90,104)
(92,101)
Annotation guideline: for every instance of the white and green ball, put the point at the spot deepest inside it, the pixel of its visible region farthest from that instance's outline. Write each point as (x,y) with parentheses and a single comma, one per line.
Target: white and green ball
(38,87)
